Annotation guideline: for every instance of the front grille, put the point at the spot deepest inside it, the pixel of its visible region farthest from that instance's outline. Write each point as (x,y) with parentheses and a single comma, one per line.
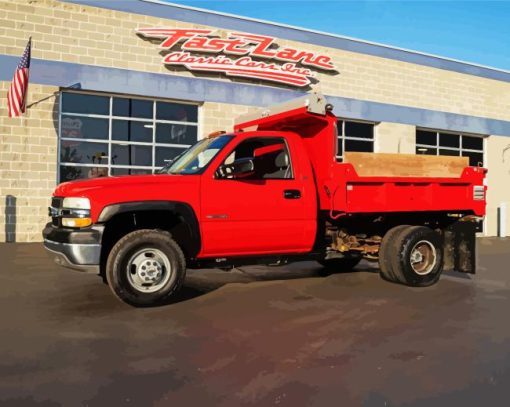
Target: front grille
(56,203)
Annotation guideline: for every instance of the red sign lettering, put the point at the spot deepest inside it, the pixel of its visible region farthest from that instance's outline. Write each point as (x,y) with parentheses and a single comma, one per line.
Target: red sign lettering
(296,69)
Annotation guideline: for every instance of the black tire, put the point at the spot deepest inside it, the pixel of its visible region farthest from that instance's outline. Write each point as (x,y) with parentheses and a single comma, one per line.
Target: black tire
(386,252)
(428,245)
(339,265)
(162,258)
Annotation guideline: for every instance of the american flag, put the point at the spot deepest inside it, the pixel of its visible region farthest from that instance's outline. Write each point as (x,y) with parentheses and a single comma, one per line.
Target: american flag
(17,94)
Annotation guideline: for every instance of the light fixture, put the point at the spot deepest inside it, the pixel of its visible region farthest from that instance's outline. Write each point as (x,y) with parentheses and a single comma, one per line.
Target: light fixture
(504,151)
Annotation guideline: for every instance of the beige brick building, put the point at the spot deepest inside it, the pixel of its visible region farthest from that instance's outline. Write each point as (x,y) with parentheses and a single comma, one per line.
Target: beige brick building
(102,102)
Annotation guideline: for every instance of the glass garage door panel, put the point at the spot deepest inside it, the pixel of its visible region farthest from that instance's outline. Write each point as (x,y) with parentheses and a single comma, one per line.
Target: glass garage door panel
(83,152)
(176,112)
(85,104)
(102,135)
(117,171)
(426,137)
(451,144)
(167,133)
(472,143)
(426,150)
(165,154)
(125,107)
(358,145)
(126,130)
(131,155)
(84,127)
(359,130)
(449,140)
(354,136)
(475,159)
(445,151)
(71,173)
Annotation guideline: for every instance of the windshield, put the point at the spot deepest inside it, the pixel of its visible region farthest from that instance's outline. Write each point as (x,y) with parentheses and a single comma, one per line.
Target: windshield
(197,157)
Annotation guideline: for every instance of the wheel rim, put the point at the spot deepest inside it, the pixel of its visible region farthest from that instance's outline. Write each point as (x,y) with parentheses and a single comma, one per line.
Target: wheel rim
(423,257)
(148,270)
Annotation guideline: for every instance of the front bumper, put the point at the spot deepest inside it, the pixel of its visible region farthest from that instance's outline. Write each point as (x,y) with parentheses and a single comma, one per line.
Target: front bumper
(78,249)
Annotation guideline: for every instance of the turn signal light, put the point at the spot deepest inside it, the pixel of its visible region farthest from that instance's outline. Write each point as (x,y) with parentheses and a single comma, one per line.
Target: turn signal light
(216,133)
(76,222)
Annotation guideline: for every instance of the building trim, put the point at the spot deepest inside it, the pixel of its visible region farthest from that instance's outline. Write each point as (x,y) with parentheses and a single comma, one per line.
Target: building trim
(168,86)
(232,22)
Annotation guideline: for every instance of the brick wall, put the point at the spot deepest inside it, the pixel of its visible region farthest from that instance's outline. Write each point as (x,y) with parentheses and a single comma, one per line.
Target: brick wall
(96,36)
(220,116)
(395,138)
(28,165)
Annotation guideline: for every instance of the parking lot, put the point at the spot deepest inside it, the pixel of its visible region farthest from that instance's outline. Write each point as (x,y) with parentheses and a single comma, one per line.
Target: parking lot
(261,336)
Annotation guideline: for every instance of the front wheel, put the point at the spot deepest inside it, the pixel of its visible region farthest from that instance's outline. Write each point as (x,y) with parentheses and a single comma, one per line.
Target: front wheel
(146,267)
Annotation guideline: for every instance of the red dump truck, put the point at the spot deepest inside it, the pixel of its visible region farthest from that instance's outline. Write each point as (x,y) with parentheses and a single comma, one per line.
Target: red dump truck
(271,191)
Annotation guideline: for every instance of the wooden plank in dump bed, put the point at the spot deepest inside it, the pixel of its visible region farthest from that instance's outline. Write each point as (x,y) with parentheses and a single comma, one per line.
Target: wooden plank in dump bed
(406,165)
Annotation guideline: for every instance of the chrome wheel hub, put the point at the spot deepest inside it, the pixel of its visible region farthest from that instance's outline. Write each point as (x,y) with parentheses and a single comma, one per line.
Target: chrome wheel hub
(148,270)
(423,257)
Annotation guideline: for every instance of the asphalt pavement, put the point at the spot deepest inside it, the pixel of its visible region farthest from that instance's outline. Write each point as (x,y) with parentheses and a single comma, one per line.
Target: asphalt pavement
(256,336)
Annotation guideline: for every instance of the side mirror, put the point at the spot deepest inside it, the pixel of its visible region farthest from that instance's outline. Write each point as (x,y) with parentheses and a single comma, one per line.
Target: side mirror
(239,168)
(243,166)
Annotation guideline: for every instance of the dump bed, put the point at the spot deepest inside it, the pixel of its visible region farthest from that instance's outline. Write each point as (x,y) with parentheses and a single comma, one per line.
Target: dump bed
(371,182)
(352,193)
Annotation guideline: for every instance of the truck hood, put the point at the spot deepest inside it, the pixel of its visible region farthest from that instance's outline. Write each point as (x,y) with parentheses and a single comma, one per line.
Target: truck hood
(107,191)
(88,186)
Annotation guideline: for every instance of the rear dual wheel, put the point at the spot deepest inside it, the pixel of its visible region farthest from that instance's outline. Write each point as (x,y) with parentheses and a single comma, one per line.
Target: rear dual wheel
(411,255)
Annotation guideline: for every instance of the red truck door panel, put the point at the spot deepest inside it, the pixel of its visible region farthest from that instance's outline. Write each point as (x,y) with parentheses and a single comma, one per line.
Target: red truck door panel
(271,210)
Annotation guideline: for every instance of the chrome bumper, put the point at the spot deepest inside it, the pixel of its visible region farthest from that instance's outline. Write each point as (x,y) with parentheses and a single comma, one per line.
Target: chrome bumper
(82,257)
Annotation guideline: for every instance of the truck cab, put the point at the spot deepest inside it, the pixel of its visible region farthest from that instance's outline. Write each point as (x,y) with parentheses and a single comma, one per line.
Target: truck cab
(270,191)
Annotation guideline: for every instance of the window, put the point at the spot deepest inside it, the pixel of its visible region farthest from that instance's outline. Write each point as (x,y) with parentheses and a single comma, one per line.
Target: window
(354,136)
(103,135)
(270,157)
(450,144)
(197,158)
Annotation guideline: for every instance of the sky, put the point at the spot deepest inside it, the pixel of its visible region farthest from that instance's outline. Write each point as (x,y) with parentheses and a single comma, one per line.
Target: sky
(471,31)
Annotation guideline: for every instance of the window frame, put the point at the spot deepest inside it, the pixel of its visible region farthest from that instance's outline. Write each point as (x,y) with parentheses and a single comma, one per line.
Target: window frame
(289,154)
(459,149)
(340,158)
(152,122)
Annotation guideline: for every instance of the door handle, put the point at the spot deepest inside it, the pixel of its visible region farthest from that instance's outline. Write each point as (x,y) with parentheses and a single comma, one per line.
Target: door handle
(292,194)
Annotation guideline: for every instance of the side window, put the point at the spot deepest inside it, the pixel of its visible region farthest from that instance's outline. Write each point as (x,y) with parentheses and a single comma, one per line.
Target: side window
(432,142)
(354,136)
(257,159)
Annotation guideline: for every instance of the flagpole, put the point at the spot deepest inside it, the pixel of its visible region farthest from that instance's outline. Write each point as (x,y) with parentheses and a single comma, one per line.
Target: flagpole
(28,84)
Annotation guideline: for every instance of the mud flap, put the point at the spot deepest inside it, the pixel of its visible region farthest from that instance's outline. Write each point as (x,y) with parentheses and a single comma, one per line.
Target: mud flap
(460,247)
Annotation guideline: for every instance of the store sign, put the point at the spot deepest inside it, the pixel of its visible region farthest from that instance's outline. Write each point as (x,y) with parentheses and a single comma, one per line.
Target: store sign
(244,55)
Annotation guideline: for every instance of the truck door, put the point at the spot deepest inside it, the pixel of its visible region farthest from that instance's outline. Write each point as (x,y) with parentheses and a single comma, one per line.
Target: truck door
(268,208)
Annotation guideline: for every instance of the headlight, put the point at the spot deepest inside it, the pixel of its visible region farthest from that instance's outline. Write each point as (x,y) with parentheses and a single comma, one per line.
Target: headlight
(75,213)
(76,203)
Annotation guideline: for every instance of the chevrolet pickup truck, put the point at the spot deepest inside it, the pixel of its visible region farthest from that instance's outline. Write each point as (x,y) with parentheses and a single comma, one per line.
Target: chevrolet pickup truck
(272,191)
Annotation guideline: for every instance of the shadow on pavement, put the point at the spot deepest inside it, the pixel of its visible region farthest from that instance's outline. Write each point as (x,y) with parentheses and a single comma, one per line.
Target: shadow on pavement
(201,282)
